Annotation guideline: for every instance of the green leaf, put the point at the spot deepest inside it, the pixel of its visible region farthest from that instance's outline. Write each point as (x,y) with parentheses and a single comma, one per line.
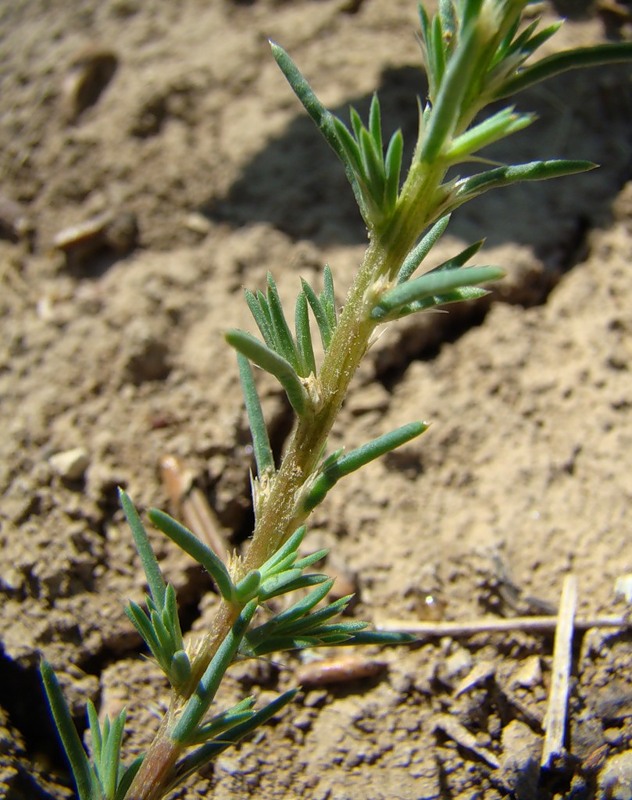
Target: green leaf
(307,624)
(189,542)
(271,362)
(467,188)
(373,167)
(155,581)
(170,615)
(375,123)
(345,465)
(384,638)
(320,314)
(85,778)
(460,258)
(211,750)
(303,563)
(260,441)
(304,337)
(305,604)
(531,40)
(392,168)
(470,10)
(258,306)
(248,586)
(285,587)
(127,776)
(448,20)
(285,346)
(142,623)
(328,298)
(356,123)
(496,127)
(455,83)
(437,50)
(111,756)
(430,284)
(580,57)
(464,294)
(179,669)
(324,119)
(289,551)
(277,583)
(163,635)
(224,721)
(420,251)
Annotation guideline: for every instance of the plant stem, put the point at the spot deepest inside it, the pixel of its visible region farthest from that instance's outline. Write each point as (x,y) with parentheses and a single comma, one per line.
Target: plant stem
(280,509)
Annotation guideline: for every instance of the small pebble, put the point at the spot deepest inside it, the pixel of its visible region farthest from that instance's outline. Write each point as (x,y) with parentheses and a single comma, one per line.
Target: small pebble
(197,223)
(529,674)
(70,465)
(89,73)
(455,665)
(615,779)
(114,231)
(520,761)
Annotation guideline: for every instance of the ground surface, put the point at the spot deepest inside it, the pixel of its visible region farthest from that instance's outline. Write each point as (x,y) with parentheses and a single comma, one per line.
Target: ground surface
(523,478)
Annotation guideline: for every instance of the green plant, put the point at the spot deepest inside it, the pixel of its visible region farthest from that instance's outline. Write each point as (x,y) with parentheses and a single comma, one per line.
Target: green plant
(475,53)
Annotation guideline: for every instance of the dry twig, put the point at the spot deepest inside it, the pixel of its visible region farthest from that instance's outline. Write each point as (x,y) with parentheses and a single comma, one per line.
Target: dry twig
(555,721)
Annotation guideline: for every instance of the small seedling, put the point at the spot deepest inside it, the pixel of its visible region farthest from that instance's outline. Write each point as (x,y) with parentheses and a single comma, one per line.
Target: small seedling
(476,53)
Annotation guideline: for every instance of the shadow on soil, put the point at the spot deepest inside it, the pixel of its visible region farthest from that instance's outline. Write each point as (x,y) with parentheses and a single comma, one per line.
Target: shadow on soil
(297,184)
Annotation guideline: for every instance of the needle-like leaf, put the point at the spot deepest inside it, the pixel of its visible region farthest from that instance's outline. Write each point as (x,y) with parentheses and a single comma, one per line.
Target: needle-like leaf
(304,337)
(271,362)
(331,474)
(156,582)
(189,542)
(468,188)
(598,55)
(258,429)
(84,776)
(433,283)
(419,253)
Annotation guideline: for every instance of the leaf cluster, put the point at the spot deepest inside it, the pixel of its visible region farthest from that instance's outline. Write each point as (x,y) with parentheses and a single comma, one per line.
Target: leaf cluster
(104,777)
(290,358)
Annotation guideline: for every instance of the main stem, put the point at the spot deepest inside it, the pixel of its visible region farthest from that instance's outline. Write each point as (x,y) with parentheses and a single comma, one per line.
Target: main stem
(280,511)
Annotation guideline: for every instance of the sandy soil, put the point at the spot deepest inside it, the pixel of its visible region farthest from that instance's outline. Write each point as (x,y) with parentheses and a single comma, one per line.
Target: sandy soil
(171,125)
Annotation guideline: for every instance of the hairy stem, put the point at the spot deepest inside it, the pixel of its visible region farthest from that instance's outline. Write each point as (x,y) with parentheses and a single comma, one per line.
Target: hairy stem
(281,514)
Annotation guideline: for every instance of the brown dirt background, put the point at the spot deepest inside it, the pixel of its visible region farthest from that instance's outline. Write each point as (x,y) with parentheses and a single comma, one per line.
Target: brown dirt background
(523,477)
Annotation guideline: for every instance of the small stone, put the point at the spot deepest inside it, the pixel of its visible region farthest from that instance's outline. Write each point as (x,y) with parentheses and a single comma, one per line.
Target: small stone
(529,674)
(520,767)
(70,465)
(303,721)
(113,231)
(615,779)
(197,223)
(456,664)
(315,698)
(482,672)
(89,73)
